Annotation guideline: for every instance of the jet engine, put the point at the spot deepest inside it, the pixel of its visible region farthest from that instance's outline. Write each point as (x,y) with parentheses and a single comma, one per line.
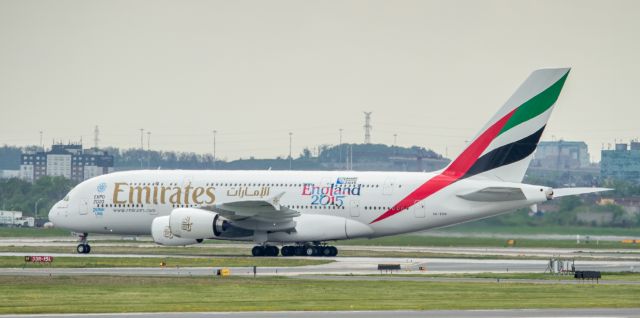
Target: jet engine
(192,223)
(200,224)
(161,233)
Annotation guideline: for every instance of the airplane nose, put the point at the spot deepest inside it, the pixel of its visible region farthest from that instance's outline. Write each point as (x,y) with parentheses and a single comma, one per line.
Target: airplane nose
(53,213)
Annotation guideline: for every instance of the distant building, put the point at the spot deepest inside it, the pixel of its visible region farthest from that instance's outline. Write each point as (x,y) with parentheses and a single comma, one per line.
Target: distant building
(8,174)
(622,163)
(561,155)
(69,161)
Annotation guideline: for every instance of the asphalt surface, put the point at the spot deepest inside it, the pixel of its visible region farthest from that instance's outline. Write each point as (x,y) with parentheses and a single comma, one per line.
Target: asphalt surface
(601,260)
(340,266)
(584,251)
(524,313)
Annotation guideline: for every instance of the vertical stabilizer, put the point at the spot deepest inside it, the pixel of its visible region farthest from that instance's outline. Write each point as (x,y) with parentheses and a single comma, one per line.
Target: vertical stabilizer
(504,147)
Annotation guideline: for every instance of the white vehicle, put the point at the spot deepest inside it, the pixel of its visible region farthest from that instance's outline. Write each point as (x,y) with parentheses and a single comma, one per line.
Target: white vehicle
(303,210)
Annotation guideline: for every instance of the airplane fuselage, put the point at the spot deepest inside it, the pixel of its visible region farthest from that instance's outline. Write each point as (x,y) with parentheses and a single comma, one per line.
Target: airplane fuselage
(127,202)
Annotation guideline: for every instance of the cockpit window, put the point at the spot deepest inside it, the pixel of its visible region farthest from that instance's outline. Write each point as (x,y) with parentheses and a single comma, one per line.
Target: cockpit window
(66,198)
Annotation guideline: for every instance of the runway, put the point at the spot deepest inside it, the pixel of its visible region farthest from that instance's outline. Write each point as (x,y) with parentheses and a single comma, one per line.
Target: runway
(522,313)
(339,266)
(515,252)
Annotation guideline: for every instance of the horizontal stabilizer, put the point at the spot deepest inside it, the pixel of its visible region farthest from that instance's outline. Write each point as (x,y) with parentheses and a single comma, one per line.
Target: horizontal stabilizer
(495,194)
(563,192)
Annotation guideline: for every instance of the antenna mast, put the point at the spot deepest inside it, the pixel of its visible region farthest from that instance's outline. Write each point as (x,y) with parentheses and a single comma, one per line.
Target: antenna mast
(367,127)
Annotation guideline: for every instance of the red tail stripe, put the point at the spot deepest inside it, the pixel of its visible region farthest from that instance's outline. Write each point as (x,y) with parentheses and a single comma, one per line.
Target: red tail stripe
(453,172)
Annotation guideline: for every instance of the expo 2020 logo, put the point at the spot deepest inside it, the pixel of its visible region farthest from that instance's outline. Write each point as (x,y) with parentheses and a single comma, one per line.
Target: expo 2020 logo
(102,187)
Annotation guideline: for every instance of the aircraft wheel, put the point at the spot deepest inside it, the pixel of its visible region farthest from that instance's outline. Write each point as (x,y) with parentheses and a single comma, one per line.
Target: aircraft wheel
(334,251)
(299,251)
(286,251)
(87,249)
(271,251)
(310,251)
(80,248)
(326,251)
(258,251)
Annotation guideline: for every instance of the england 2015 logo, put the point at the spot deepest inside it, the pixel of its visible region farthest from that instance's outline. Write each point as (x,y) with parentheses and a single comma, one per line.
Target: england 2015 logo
(332,193)
(102,187)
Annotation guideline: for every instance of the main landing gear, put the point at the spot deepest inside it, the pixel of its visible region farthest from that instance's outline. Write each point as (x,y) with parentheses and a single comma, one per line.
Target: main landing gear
(296,250)
(265,250)
(83,247)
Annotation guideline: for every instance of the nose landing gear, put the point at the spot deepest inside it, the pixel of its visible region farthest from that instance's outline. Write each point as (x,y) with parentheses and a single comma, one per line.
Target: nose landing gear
(83,247)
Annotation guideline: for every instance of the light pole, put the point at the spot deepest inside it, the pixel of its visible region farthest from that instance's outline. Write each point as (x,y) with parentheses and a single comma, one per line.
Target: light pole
(141,138)
(290,141)
(35,213)
(340,147)
(141,147)
(215,132)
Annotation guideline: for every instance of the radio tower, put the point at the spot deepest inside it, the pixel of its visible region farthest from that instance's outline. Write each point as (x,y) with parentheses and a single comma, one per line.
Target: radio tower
(96,137)
(367,127)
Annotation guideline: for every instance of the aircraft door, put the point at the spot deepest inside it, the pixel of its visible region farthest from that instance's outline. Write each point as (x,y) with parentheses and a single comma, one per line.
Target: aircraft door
(419,210)
(84,207)
(354,209)
(387,187)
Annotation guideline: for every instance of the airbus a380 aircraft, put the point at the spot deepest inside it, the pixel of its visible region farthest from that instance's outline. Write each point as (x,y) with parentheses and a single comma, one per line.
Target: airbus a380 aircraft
(302,210)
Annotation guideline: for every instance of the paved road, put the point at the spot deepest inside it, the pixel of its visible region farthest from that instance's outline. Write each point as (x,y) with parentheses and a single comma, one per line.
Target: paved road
(524,313)
(516,252)
(340,266)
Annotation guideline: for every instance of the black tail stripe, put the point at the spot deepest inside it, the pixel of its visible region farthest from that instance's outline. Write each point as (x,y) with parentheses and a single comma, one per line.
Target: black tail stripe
(506,154)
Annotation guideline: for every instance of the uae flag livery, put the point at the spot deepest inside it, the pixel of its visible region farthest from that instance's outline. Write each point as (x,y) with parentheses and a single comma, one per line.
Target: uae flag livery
(503,148)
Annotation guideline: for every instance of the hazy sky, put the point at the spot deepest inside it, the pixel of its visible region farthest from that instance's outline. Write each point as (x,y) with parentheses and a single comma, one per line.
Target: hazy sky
(432,72)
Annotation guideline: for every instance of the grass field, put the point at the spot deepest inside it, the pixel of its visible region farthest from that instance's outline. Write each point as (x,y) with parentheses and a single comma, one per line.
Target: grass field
(398,240)
(421,240)
(244,251)
(63,294)
(550,229)
(133,249)
(236,251)
(31,232)
(609,276)
(95,262)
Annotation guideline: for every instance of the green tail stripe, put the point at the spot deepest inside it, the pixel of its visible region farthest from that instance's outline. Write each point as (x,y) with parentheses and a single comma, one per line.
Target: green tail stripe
(536,105)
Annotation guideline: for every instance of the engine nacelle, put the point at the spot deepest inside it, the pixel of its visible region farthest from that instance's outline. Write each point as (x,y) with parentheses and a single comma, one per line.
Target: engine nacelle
(201,224)
(192,223)
(161,233)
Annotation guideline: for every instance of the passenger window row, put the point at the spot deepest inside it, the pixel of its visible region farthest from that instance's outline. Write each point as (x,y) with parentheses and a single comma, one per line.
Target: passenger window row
(236,184)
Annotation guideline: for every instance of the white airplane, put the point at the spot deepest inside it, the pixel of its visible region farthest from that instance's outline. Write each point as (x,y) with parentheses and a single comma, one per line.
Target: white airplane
(303,210)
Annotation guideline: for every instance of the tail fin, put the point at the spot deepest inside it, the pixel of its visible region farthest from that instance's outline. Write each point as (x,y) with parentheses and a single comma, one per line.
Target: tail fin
(504,147)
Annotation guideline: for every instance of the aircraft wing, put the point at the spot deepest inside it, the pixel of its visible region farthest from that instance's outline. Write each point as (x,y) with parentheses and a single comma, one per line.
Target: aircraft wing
(260,210)
(495,194)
